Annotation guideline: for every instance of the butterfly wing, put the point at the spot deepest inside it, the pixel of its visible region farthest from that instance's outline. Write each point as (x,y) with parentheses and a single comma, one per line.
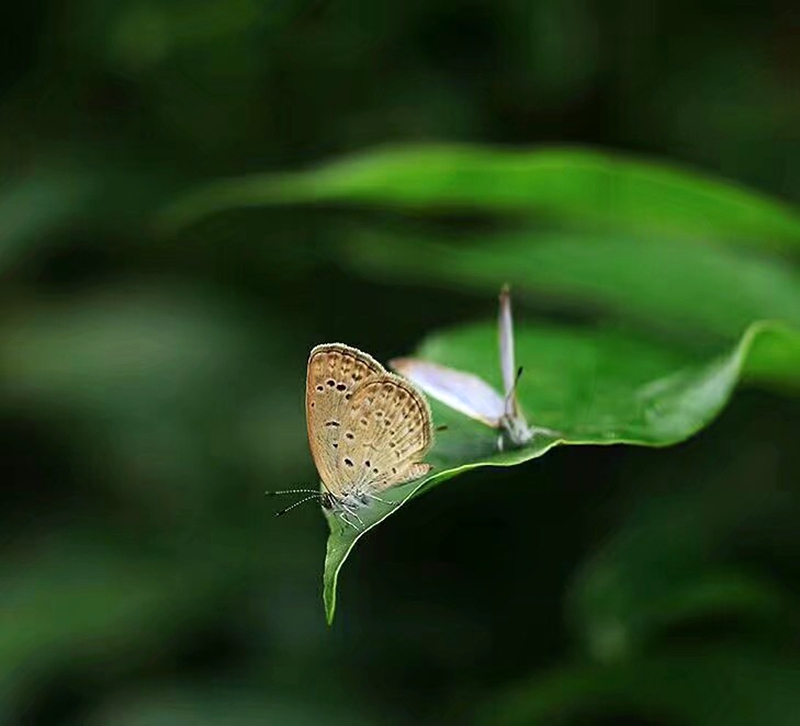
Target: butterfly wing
(386,432)
(513,423)
(463,392)
(334,372)
(505,329)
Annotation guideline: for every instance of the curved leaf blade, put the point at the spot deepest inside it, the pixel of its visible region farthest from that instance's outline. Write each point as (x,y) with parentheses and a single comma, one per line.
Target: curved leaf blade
(574,185)
(592,386)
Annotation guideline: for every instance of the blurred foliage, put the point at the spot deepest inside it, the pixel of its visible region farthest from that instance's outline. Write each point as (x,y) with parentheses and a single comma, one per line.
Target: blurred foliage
(716,687)
(152,375)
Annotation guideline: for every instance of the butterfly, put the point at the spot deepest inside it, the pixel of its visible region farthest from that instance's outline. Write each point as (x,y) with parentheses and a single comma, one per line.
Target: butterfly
(368,430)
(471,395)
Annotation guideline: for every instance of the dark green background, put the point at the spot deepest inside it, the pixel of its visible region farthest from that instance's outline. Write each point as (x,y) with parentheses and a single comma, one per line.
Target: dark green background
(152,384)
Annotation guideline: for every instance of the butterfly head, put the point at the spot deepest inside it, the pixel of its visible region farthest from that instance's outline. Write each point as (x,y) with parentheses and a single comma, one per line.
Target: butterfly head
(327,500)
(515,429)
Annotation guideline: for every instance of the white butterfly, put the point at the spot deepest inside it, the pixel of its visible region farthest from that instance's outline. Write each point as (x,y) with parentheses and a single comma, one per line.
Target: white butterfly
(471,395)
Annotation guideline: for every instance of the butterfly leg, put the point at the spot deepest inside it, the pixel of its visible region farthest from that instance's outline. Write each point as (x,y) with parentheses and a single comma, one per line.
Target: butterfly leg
(353,513)
(343,517)
(544,432)
(382,501)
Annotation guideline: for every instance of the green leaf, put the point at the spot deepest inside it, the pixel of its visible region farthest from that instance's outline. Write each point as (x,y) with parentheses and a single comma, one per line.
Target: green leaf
(46,200)
(620,603)
(572,185)
(715,687)
(592,386)
(670,284)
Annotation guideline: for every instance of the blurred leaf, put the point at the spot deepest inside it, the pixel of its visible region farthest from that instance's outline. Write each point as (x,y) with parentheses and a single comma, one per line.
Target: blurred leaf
(672,284)
(41,202)
(218,705)
(713,688)
(592,386)
(620,607)
(124,348)
(76,189)
(65,597)
(97,599)
(159,390)
(668,564)
(559,184)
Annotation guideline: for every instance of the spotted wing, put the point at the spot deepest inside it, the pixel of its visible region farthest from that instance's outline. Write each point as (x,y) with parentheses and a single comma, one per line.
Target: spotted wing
(334,372)
(463,392)
(385,434)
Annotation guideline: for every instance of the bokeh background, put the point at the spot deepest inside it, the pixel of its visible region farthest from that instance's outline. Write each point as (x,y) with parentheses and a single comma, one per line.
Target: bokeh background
(152,385)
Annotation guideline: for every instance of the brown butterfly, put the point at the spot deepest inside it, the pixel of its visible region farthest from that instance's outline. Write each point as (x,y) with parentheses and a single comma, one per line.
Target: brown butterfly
(368,430)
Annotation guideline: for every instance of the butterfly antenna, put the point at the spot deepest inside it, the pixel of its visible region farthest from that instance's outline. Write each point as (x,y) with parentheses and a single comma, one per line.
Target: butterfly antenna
(296,504)
(300,491)
(292,491)
(513,392)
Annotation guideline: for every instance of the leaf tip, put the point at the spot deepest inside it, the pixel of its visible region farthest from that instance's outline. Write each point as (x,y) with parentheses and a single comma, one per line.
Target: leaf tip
(329,599)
